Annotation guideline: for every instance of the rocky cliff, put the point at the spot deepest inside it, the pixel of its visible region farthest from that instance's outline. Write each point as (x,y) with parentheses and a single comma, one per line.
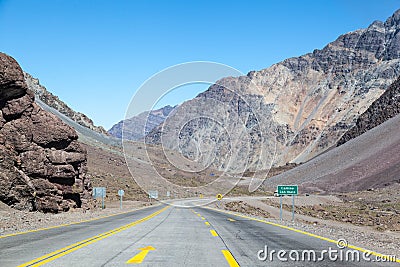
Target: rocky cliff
(42,165)
(385,107)
(140,125)
(53,101)
(291,111)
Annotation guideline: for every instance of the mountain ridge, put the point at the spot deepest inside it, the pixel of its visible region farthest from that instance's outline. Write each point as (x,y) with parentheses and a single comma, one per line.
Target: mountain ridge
(142,124)
(53,101)
(307,103)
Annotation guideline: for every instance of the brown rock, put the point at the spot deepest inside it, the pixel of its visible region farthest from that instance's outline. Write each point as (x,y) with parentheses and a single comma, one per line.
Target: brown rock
(49,131)
(42,166)
(12,84)
(15,107)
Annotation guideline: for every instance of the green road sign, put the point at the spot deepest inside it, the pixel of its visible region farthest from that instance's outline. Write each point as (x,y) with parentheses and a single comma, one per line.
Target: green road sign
(288,190)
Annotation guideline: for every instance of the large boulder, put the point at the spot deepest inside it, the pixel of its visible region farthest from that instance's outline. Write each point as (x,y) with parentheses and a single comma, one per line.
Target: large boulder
(42,165)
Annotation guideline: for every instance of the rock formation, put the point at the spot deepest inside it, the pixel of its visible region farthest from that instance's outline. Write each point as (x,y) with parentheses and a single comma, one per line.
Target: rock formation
(142,124)
(54,102)
(385,107)
(42,165)
(291,111)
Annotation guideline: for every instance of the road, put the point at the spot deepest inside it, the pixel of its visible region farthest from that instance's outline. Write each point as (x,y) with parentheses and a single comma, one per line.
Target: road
(165,235)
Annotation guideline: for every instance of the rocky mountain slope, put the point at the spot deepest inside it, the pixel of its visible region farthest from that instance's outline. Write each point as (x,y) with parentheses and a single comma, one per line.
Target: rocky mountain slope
(291,111)
(54,102)
(385,107)
(366,162)
(142,124)
(42,165)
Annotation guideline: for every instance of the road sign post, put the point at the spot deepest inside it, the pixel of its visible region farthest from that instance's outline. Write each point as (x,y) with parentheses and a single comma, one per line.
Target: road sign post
(120,194)
(285,190)
(292,207)
(219,197)
(99,192)
(153,194)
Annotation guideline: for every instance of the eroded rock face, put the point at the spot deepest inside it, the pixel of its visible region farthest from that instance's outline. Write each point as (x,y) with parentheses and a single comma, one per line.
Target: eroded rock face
(42,165)
(385,107)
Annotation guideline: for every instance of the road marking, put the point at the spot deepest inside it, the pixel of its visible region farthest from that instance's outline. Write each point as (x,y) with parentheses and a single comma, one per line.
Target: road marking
(198,214)
(213,233)
(229,258)
(231,220)
(138,258)
(302,232)
(73,223)
(68,249)
(207,223)
(203,218)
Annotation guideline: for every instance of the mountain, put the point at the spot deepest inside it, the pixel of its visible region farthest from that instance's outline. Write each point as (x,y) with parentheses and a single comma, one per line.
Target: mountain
(42,165)
(53,101)
(366,162)
(142,124)
(290,112)
(385,107)
(367,156)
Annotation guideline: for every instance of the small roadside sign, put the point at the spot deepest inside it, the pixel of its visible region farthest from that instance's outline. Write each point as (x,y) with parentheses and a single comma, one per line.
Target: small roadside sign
(99,192)
(121,192)
(153,194)
(288,190)
(284,190)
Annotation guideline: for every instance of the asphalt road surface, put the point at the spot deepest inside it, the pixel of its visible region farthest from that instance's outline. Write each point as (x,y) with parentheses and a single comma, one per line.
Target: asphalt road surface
(171,236)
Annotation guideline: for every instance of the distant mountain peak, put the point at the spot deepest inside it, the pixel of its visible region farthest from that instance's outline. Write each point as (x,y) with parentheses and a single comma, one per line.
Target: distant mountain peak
(394,19)
(140,125)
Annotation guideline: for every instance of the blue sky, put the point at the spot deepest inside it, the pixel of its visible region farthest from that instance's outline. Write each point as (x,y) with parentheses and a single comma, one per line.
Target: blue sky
(95,54)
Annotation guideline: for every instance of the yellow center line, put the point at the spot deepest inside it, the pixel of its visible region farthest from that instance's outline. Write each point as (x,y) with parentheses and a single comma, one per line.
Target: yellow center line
(231,220)
(213,233)
(207,223)
(229,258)
(73,223)
(203,218)
(302,232)
(66,250)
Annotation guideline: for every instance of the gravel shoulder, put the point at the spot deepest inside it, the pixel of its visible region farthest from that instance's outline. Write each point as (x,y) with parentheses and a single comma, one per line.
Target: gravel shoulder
(382,241)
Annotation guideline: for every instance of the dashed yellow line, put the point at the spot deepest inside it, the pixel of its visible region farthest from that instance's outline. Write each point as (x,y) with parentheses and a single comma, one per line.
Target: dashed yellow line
(213,233)
(69,224)
(203,218)
(231,220)
(207,223)
(302,232)
(229,258)
(66,250)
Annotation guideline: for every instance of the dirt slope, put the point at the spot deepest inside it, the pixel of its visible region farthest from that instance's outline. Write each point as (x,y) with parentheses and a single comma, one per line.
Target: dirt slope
(368,161)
